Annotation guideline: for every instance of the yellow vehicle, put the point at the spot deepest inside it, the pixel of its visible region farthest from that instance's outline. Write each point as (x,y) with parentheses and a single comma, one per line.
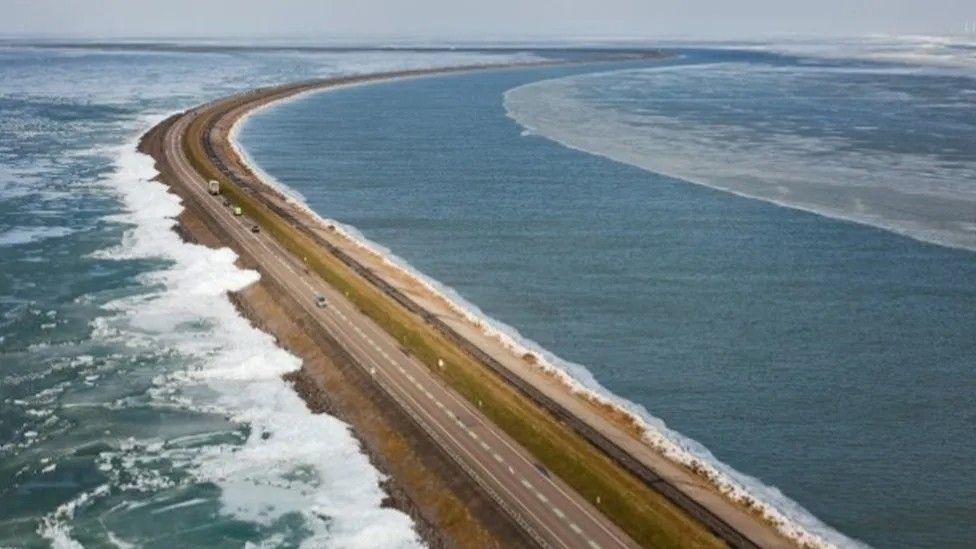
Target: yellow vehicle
(238,210)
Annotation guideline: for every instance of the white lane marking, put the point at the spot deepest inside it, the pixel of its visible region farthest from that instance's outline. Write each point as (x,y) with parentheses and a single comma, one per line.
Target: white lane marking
(524,482)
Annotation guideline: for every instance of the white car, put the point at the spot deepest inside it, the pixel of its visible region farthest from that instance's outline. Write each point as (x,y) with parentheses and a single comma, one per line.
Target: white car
(320,301)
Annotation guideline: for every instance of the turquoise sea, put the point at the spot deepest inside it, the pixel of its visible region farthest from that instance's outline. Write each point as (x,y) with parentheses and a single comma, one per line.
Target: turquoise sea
(137,408)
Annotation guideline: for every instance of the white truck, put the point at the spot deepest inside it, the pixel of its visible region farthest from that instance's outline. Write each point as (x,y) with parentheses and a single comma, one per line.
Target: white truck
(213,187)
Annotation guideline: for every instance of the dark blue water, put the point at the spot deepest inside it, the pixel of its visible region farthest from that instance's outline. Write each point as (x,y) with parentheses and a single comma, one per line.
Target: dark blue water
(831,360)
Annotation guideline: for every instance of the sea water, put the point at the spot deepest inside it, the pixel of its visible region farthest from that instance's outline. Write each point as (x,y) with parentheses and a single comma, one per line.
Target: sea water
(795,298)
(137,408)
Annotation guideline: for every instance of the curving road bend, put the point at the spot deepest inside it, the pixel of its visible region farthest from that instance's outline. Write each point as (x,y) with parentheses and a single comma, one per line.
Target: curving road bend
(548,510)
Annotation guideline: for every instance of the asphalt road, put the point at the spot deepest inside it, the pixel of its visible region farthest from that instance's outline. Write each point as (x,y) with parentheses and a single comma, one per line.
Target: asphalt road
(548,509)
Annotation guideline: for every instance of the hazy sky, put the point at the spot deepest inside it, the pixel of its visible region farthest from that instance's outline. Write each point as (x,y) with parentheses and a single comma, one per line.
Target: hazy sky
(483,18)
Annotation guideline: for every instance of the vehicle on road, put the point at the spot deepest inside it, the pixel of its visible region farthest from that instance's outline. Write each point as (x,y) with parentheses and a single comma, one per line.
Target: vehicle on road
(320,301)
(213,187)
(238,211)
(255,229)
(226,202)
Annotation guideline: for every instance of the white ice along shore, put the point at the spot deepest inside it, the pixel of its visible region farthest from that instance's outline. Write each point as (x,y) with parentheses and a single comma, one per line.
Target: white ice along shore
(911,194)
(292,461)
(788,516)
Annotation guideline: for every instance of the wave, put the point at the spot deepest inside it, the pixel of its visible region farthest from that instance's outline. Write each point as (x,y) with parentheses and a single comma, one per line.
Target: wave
(54,526)
(291,462)
(26,235)
(786,515)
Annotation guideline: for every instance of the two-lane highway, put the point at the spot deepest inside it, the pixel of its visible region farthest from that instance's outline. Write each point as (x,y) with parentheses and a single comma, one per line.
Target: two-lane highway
(547,509)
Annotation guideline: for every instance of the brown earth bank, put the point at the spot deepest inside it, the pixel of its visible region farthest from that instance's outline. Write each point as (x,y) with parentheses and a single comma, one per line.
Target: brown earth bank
(448,509)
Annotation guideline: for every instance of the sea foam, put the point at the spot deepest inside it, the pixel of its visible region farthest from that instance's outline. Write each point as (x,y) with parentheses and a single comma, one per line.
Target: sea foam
(24,235)
(292,462)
